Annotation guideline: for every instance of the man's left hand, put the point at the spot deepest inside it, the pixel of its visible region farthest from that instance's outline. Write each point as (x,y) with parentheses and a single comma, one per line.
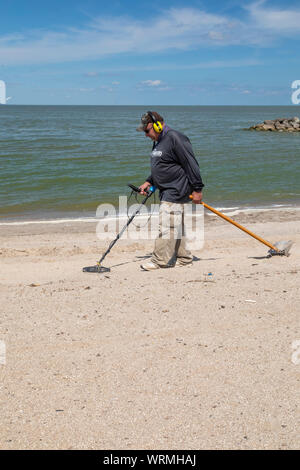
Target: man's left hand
(197,197)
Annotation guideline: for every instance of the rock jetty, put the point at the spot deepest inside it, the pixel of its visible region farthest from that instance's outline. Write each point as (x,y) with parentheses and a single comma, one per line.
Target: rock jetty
(278,125)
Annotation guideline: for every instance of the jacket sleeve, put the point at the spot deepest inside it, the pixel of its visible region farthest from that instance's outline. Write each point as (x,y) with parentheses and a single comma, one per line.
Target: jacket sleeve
(185,155)
(150,180)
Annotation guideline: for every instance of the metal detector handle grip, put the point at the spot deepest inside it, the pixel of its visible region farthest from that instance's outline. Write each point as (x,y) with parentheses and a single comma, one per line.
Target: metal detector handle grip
(137,190)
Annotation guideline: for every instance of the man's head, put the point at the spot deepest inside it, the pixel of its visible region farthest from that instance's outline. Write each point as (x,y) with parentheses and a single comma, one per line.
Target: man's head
(152,124)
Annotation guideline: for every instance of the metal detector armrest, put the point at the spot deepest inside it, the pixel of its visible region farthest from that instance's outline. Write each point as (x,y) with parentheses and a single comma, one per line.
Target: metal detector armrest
(134,188)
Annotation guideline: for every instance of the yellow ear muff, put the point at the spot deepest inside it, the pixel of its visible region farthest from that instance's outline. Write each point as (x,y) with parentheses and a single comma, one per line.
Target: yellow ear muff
(157,126)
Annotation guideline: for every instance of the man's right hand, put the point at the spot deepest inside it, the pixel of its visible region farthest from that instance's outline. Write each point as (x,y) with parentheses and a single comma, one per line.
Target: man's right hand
(144,187)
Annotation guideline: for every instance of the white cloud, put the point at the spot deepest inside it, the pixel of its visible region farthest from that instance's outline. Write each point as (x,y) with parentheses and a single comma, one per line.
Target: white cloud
(9,38)
(155,85)
(151,83)
(281,20)
(176,28)
(108,88)
(216,35)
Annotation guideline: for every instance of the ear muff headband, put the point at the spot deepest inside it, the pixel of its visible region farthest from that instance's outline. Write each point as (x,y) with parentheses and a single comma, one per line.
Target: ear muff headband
(157,125)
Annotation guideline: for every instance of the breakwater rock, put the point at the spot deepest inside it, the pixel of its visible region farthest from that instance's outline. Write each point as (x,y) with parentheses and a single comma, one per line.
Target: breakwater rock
(279,125)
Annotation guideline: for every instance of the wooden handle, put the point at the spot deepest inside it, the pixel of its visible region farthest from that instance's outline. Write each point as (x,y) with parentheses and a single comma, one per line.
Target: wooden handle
(225,217)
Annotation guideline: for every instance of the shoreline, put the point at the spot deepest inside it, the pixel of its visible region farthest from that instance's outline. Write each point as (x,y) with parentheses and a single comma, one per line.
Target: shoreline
(229,211)
(69,237)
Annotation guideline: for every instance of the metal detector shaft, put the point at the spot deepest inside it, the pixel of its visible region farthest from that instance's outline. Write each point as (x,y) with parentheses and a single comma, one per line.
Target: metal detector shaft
(150,192)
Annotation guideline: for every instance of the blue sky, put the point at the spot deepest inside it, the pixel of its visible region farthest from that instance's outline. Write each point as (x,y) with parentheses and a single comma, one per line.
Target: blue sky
(142,53)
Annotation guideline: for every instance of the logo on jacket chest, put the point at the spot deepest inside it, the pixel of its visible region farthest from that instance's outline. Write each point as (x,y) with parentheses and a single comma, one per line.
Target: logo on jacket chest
(156,153)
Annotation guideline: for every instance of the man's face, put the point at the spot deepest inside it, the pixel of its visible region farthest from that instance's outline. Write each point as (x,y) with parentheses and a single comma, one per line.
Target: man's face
(150,132)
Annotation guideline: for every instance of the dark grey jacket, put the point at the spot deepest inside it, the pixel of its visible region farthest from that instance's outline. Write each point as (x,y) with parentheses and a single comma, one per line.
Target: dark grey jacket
(174,168)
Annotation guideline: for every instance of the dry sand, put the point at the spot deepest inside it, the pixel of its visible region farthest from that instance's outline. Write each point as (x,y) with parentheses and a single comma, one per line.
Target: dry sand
(150,360)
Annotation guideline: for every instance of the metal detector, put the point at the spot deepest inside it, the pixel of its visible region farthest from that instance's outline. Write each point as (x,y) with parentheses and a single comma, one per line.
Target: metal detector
(98,268)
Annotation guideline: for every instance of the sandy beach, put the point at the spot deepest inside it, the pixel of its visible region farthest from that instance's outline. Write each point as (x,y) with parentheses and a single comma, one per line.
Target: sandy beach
(150,360)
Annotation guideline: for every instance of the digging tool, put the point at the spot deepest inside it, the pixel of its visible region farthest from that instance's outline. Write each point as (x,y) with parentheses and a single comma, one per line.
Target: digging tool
(281,248)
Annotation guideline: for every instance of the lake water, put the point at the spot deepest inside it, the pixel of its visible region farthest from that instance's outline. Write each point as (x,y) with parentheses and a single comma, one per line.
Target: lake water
(63,161)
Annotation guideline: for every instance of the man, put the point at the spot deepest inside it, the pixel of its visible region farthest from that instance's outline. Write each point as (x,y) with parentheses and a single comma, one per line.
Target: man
(175,172)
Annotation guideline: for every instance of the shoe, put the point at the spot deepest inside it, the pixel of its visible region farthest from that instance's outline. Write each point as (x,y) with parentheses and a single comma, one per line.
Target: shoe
(180,265)
(149,266)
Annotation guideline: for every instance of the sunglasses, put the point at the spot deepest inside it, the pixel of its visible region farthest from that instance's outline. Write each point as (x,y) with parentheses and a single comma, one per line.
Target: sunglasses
(147,130)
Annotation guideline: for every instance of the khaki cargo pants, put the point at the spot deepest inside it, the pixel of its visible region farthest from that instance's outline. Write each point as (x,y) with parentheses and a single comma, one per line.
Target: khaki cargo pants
(170,244)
